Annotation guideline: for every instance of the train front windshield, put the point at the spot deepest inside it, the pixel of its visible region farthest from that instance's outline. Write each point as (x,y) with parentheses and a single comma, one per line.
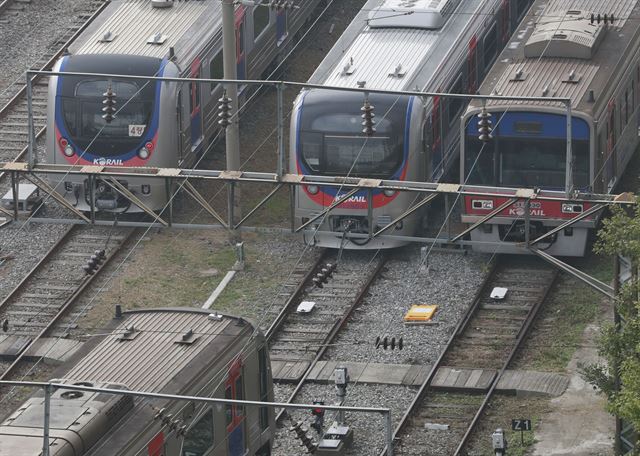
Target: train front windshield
(330,138)
(81,100)
(524,153)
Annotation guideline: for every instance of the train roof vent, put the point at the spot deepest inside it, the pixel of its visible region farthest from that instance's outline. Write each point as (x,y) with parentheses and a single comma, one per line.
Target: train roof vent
(162,3)
(417,14)
(87,414)
(573,37)
(157,39)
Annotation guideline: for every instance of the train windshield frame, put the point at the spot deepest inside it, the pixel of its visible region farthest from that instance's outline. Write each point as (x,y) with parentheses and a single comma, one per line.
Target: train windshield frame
(80,101)
(525,159)
(331,141)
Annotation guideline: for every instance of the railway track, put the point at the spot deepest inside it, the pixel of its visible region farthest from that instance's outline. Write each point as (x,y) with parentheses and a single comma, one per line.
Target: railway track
(297,341)
(486,340)
(42,304)
(14,132)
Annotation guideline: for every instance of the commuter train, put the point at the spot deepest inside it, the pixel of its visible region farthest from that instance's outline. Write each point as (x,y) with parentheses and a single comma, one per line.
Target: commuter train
(428,45)
(178,351)
(153,124)
(563,54)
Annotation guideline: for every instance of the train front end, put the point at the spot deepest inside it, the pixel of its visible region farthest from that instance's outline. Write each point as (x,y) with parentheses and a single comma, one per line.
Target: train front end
(328,139)
(111,122)
(526,149)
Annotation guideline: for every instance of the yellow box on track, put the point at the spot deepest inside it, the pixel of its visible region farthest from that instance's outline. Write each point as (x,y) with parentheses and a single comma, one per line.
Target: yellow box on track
(420,312)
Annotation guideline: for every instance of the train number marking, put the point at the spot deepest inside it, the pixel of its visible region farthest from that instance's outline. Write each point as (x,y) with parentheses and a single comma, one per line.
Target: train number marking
(136,130)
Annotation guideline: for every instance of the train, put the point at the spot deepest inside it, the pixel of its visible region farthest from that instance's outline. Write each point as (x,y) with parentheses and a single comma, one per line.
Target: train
(176,351)
(109,122)
(566,52)
(425,45)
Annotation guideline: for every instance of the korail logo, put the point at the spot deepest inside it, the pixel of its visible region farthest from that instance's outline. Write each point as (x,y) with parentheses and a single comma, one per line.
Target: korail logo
(107,161)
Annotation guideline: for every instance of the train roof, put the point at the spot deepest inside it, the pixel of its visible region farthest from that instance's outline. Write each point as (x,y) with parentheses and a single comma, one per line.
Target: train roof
(398,45)
(137,27)
(150,348)
(557,52)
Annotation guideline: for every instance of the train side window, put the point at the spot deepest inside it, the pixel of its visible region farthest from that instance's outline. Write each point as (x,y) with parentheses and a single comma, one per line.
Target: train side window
(239,387)
(455,104)
(490,46)
(228,408)
(264,387)
(521,8)
(216,69)
(199,439)
(260,21)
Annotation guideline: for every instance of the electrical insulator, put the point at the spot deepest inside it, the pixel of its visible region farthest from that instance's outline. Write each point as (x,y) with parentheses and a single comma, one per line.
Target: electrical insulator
(301,433)
(368,124)
(392,343)
(606,18)
(280,5)
(109,103)
(224,110)
(94,262)
(485,126)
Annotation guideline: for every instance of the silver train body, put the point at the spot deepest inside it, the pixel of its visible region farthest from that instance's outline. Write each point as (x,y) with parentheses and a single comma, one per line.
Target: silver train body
(557,52)
(156,124)
(175,351)
(447,45)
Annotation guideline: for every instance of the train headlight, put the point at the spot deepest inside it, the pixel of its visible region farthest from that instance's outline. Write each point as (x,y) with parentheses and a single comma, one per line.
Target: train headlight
(572,208)
(389,193)
(68,150)
(144,153)
(482,204)
(313,189)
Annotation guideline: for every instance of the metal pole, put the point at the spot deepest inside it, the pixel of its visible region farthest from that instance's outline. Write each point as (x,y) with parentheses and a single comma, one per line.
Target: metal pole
(32,138)
(170,196)
(292,207)
(389,430)
(231,73)
(91,178)
(280,109)
(47,416)
(447,208)
(569,163)
(370,211)
(527,222)
(617,445)
(14,188)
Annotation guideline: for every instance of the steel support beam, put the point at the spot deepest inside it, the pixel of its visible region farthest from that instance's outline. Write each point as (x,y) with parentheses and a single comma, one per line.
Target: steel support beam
(486,218)
(333,205)
(259,205)
(570,222)
(427,199)
(594,283)
(191,190)
(55,195)
(124,191)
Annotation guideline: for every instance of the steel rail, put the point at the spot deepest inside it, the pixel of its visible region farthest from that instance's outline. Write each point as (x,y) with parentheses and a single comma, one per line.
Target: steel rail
(462,324)
(291,301)
(522,334)
(67,305)
(338,325)
(49,63)
(54,248)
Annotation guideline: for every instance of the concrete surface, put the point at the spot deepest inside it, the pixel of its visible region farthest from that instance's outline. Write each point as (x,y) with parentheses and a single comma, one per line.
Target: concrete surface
(578,424)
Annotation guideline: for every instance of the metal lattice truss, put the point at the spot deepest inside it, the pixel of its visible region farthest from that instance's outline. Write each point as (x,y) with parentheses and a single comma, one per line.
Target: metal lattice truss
(184,179)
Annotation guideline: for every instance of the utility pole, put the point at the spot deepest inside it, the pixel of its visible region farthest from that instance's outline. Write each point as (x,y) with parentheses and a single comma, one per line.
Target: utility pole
(232,136)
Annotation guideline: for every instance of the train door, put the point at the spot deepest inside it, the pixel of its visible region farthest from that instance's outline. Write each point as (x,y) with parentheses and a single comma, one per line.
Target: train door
(610,158)
(436,139)
(241,54)
(472,66)
(281,26)
(234,389)
(195,100)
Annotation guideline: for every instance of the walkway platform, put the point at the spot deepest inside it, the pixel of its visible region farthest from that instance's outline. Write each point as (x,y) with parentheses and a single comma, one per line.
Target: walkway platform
(51,350)
(445,379)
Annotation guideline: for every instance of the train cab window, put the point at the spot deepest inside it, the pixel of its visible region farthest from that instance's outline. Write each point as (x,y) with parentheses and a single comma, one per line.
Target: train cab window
(239,387)
(216,69)
(490,46)
(260,21)
(199,439)
(455,104)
